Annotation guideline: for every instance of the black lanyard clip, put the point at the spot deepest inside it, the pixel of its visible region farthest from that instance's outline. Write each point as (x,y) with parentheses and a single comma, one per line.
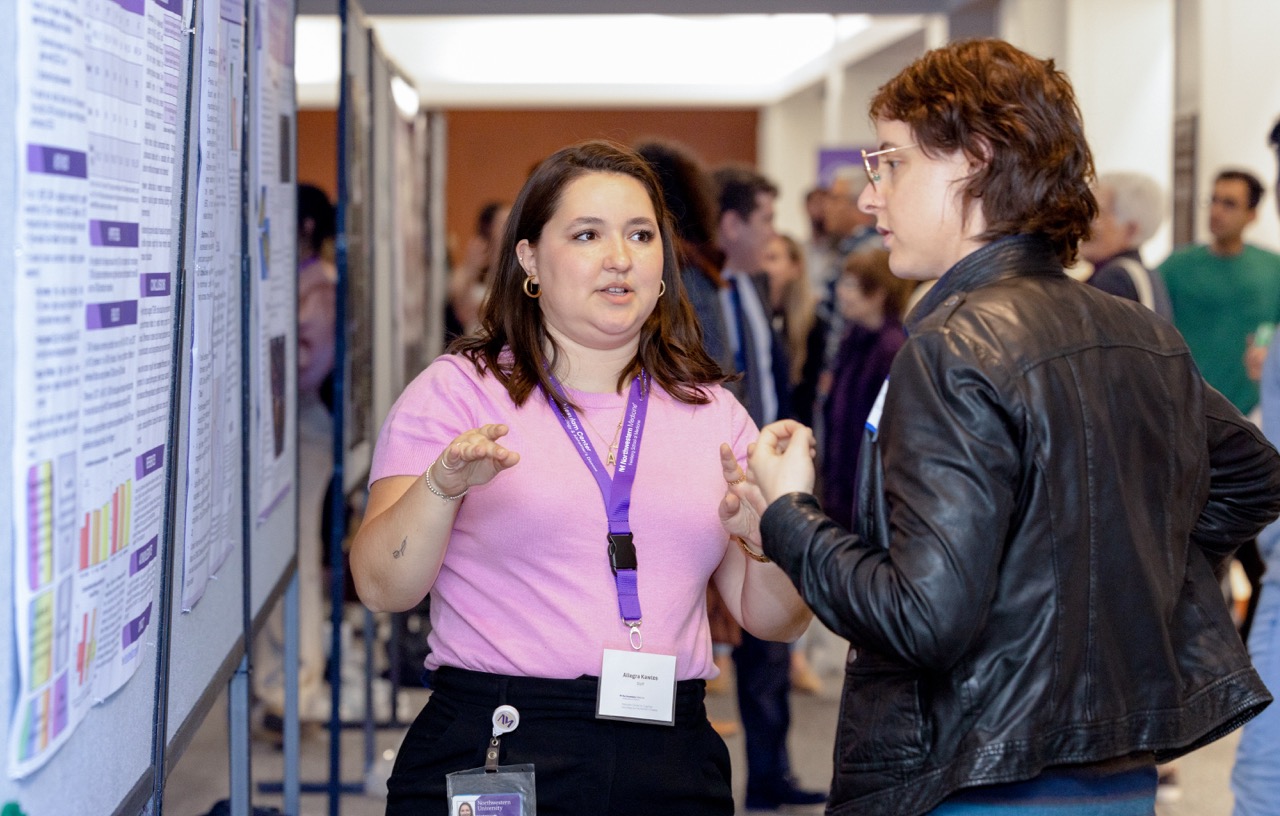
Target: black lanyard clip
(622,553)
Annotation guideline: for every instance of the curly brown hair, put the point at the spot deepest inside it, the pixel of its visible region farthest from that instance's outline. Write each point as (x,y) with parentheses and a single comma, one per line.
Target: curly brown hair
(1017,117)
(512,343)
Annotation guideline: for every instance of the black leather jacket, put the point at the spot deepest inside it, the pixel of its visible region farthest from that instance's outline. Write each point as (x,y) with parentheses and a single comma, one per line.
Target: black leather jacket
(1041,514)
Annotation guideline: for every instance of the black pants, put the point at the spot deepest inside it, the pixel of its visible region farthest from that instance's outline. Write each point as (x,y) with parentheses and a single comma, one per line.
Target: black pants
(582,765)
(764,686)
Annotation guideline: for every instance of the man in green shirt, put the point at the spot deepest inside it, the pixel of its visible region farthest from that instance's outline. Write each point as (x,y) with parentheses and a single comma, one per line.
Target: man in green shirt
(1222,293)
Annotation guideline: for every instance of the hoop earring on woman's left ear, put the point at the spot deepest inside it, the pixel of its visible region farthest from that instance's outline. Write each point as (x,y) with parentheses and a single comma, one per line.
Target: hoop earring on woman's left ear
(662,288)
(531,287)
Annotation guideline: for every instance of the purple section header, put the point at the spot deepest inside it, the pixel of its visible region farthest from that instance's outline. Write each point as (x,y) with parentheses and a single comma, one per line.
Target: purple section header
(113,233)
(57,161)
(143,555)
(110,315)
(149,462)
(133,630)
(173,6)
(132,6)
(155,284)
(233,11)
(59,710)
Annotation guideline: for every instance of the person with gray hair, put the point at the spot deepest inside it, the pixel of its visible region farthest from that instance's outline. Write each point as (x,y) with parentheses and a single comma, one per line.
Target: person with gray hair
(1130,210)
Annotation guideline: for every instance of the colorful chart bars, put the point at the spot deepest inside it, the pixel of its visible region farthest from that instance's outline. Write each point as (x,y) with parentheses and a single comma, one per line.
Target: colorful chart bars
(105,531)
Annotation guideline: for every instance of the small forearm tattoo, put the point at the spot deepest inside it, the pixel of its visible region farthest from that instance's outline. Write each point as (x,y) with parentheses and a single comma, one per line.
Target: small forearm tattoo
(399,552)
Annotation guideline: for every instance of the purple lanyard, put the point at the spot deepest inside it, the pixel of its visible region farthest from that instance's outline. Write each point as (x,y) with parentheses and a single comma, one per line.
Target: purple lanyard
(616,493)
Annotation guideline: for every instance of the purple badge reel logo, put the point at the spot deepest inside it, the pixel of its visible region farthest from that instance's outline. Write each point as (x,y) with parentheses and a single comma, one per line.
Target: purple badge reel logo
(495,789)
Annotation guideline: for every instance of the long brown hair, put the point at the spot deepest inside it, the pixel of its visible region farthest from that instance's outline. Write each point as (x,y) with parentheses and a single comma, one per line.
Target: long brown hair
(1015,114)
(512,340)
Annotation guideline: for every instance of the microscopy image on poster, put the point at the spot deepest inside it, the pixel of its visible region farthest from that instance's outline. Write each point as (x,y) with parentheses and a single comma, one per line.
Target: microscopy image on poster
(98,133)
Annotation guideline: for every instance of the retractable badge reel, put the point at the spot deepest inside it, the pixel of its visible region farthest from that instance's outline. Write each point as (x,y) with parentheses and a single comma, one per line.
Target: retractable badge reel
(494,790)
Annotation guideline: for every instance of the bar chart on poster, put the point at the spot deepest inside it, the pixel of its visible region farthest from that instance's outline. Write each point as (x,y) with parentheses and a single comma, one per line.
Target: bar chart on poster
(150,447)
(132,428)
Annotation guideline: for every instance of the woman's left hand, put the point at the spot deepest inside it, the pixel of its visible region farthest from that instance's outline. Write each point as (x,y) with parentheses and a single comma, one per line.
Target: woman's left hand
(742,505)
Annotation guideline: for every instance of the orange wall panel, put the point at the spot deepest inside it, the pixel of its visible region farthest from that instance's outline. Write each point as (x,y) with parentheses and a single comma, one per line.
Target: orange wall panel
(492,151)
(318,150)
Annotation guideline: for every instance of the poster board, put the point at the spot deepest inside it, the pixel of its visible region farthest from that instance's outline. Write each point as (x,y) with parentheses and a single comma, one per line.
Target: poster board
(98,99)
(130,126)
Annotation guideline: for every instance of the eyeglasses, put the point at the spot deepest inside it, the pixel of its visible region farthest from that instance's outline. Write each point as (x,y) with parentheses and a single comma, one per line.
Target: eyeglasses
(873,167)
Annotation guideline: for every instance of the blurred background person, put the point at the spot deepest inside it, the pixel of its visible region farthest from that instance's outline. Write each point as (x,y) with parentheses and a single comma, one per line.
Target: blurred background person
(1255,779)
(871,302)
(1130,210)
(817,249)
(793,312)
(690,197)
(468,278)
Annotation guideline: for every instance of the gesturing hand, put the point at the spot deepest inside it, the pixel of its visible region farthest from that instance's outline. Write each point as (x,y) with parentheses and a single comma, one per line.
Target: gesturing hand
(474,457)
(781,460)
(742,505)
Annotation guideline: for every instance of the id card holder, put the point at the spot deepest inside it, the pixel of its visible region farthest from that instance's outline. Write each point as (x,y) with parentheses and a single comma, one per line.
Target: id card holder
(505,791)
(494,790)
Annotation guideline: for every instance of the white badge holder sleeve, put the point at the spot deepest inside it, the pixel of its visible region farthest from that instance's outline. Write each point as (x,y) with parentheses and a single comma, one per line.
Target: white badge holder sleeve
(494,790)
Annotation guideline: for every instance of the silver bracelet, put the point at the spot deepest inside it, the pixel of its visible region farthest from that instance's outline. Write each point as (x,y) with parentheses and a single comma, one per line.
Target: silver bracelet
(431,486)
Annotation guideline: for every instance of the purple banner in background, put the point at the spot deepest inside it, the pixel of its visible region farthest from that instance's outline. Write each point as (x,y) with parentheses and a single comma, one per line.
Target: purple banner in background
(110,315)
(132,6)
(134,628)
(148,462)
(113,234)
(155,284)
(831,159)
(57,161)
(173,6)
(143,555)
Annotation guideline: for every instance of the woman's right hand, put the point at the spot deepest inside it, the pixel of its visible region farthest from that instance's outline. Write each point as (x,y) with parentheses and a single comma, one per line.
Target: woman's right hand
(399,549)
(473,458)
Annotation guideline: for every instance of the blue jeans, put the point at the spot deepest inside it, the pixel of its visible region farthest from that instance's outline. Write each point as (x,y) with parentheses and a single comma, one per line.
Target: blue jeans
(1061,792)
(1255,780)
(1132,808)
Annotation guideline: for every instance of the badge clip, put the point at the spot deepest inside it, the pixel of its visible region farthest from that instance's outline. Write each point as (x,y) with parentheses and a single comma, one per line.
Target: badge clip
(622,552)
(505,720)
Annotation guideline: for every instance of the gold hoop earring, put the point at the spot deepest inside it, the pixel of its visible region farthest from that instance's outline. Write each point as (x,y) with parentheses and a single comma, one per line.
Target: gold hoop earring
(662,288)
(531,287)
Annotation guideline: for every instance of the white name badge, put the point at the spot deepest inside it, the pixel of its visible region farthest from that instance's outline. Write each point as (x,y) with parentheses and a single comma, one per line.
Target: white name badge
(638,687)
(873,418)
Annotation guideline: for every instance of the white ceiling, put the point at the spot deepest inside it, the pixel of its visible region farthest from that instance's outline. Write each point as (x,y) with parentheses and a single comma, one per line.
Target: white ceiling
(603,60)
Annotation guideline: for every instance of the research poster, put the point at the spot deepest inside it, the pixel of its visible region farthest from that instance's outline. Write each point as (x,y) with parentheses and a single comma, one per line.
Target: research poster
(99,128)
(272,204)
(213,429)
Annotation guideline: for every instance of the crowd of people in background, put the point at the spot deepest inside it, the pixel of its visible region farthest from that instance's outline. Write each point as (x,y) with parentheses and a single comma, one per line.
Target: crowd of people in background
(768,328)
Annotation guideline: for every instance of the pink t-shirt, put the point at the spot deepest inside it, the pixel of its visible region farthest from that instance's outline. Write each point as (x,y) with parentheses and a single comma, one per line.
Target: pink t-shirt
(526,588)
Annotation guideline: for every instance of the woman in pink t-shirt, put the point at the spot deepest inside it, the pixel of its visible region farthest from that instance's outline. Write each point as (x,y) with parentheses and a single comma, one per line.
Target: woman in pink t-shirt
(601,464)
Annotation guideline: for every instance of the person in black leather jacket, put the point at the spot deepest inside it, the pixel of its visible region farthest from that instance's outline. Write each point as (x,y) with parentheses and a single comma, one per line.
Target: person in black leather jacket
(1045,498)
